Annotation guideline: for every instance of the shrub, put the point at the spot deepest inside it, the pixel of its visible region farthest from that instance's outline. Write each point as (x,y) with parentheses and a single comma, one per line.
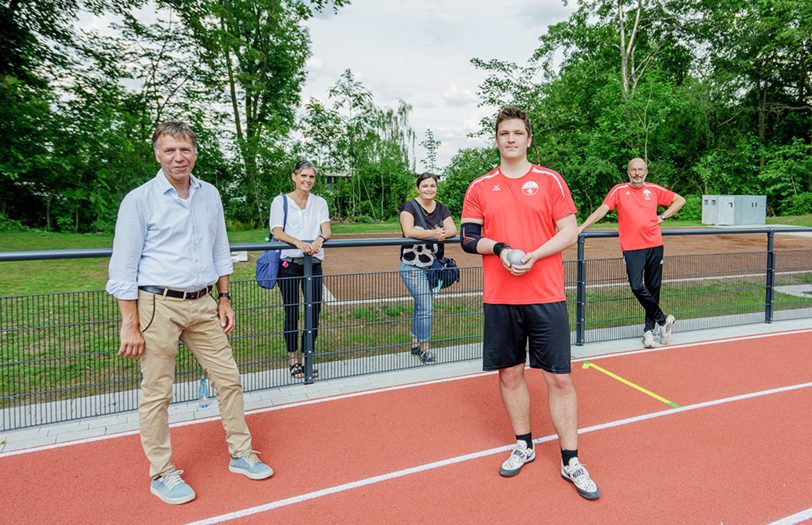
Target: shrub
(10,225)
(692,211)
(799,204)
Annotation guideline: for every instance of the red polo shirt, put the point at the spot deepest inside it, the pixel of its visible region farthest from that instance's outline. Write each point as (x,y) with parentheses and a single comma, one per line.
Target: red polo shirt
(637,224)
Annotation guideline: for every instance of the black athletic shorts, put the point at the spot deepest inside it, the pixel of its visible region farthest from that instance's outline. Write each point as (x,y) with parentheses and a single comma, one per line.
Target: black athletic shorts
(509,328)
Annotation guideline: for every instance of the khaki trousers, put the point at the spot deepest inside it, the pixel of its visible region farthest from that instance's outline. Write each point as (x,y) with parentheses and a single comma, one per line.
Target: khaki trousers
(164,321)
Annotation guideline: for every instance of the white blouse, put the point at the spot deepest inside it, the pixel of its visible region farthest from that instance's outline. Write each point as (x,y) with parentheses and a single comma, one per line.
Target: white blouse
(304,224)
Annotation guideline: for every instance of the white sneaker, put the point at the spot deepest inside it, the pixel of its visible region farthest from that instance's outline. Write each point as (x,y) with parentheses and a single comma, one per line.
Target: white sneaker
(665,330)
(578,475)
(649,341)
(518,457)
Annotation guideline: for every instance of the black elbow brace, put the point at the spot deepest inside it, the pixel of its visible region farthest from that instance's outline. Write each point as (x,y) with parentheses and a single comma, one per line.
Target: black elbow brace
(470,234)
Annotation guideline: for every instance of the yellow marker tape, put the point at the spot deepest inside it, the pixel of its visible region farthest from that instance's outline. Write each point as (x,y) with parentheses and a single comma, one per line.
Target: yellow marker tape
(639,388)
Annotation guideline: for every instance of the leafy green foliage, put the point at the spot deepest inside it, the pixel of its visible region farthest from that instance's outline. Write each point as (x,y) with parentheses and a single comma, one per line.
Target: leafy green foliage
(362,147)
(713,94)
(464,167)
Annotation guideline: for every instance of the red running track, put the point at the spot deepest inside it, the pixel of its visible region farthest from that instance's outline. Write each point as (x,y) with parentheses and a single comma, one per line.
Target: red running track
(737,451)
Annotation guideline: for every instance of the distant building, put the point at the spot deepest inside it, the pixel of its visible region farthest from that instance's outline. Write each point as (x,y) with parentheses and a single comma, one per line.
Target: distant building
(731,210)
(332,178)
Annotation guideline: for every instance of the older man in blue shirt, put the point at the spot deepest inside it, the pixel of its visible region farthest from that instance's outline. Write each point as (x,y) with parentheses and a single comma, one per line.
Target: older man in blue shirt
(170,248)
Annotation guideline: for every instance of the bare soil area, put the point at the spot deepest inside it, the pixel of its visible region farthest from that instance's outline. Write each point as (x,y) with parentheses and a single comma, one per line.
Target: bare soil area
(385,258)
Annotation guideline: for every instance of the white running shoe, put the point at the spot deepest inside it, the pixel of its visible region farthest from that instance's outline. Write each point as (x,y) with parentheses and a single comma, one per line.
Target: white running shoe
(518,457)
(578,475)
(665,330)
(649,341)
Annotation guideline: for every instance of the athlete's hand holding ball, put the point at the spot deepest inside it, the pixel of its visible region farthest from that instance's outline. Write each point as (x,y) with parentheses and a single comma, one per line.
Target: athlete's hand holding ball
(515,257)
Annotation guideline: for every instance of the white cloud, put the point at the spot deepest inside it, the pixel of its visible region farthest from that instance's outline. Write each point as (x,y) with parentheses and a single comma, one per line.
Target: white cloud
(543,14)
(454,96)
(314,64)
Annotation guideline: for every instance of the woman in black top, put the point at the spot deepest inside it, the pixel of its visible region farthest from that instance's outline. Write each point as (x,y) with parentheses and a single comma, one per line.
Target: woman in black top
(416,259)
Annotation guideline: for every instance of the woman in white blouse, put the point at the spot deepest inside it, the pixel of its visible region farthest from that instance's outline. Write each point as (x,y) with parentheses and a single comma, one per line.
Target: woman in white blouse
(308,218)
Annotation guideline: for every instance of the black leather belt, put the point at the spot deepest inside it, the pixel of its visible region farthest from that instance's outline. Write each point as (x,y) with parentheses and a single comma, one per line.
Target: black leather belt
(177,294)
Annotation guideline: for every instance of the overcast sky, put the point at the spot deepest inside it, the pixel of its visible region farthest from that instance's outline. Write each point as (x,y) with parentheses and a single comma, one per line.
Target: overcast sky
(420,51)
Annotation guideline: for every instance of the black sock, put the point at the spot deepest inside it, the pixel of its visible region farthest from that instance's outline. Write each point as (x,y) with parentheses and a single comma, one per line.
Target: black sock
(527,438)
(566,455)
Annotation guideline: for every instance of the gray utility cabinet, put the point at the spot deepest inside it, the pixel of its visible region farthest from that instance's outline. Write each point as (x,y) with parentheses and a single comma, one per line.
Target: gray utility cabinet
(734,210)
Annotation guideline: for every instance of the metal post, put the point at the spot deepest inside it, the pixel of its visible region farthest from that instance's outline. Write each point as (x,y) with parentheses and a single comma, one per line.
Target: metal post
(769,298)
(580,297)
(308,319)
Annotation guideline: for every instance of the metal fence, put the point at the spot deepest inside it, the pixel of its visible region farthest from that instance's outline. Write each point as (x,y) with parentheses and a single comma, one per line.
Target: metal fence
(58,351)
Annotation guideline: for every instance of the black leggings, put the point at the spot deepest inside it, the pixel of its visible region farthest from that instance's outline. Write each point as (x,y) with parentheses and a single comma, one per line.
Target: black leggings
(290,281)
(644,268)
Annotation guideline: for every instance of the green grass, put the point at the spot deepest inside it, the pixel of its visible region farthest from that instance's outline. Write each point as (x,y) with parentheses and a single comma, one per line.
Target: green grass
(792,220)
(68,275)
(65,344)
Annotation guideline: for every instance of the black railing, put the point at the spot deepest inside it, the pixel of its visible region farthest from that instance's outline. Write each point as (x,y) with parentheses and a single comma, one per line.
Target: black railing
(58,351)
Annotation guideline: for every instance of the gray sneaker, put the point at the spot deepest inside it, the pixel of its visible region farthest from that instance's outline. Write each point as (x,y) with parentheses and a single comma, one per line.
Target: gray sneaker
(649,341)
(170,488)
(578,475)
(665,330)
(517,459)
(250,466)
(426,357)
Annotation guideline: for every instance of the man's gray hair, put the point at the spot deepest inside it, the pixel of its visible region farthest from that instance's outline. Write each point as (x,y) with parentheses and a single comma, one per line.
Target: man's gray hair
(176,129)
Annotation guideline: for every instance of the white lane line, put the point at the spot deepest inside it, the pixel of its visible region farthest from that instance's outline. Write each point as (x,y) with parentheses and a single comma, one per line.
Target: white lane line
(795,518)
(467,457)
(392,388)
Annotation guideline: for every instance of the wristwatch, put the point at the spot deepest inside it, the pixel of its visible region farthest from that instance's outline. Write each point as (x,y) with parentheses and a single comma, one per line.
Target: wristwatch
(227,295)
(663,217)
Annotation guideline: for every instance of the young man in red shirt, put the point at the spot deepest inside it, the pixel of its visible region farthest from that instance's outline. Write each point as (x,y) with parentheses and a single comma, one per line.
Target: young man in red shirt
(638,227)
(522,206)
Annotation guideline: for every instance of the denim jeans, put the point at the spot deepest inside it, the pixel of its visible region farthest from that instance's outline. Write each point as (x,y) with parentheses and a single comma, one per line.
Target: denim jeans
(417,282)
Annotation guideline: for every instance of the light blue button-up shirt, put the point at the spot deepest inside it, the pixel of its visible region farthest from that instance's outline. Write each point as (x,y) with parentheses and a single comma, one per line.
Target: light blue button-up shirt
(163,240)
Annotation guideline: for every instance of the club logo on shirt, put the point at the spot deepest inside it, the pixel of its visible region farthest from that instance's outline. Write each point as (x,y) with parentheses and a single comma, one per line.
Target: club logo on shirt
(647,194)
(496,188)
(530,188)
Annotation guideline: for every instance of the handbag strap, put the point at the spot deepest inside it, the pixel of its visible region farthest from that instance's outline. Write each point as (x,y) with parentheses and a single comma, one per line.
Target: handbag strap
(418,210)
(285,219)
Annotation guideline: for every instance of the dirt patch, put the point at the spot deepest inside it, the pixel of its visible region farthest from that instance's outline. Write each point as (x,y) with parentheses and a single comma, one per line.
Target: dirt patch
(386,258)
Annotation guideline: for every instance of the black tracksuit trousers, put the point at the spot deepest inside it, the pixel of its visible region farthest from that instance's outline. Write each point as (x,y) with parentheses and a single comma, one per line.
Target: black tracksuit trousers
(644,268)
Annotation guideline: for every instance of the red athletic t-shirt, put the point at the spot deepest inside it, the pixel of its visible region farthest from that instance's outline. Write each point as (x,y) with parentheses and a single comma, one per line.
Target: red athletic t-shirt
(521,212)
(637,224)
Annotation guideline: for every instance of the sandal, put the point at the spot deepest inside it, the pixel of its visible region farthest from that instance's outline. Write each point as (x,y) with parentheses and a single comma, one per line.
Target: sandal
(315,371)
(296,371)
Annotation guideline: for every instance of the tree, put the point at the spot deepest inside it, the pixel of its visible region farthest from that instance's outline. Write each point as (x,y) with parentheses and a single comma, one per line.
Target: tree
(759,58)
(465,166)
(254,50)
(367,143)
(431,145)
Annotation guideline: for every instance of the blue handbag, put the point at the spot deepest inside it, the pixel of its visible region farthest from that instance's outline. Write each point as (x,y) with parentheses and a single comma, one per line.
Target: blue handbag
(268,262)
(443,273)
